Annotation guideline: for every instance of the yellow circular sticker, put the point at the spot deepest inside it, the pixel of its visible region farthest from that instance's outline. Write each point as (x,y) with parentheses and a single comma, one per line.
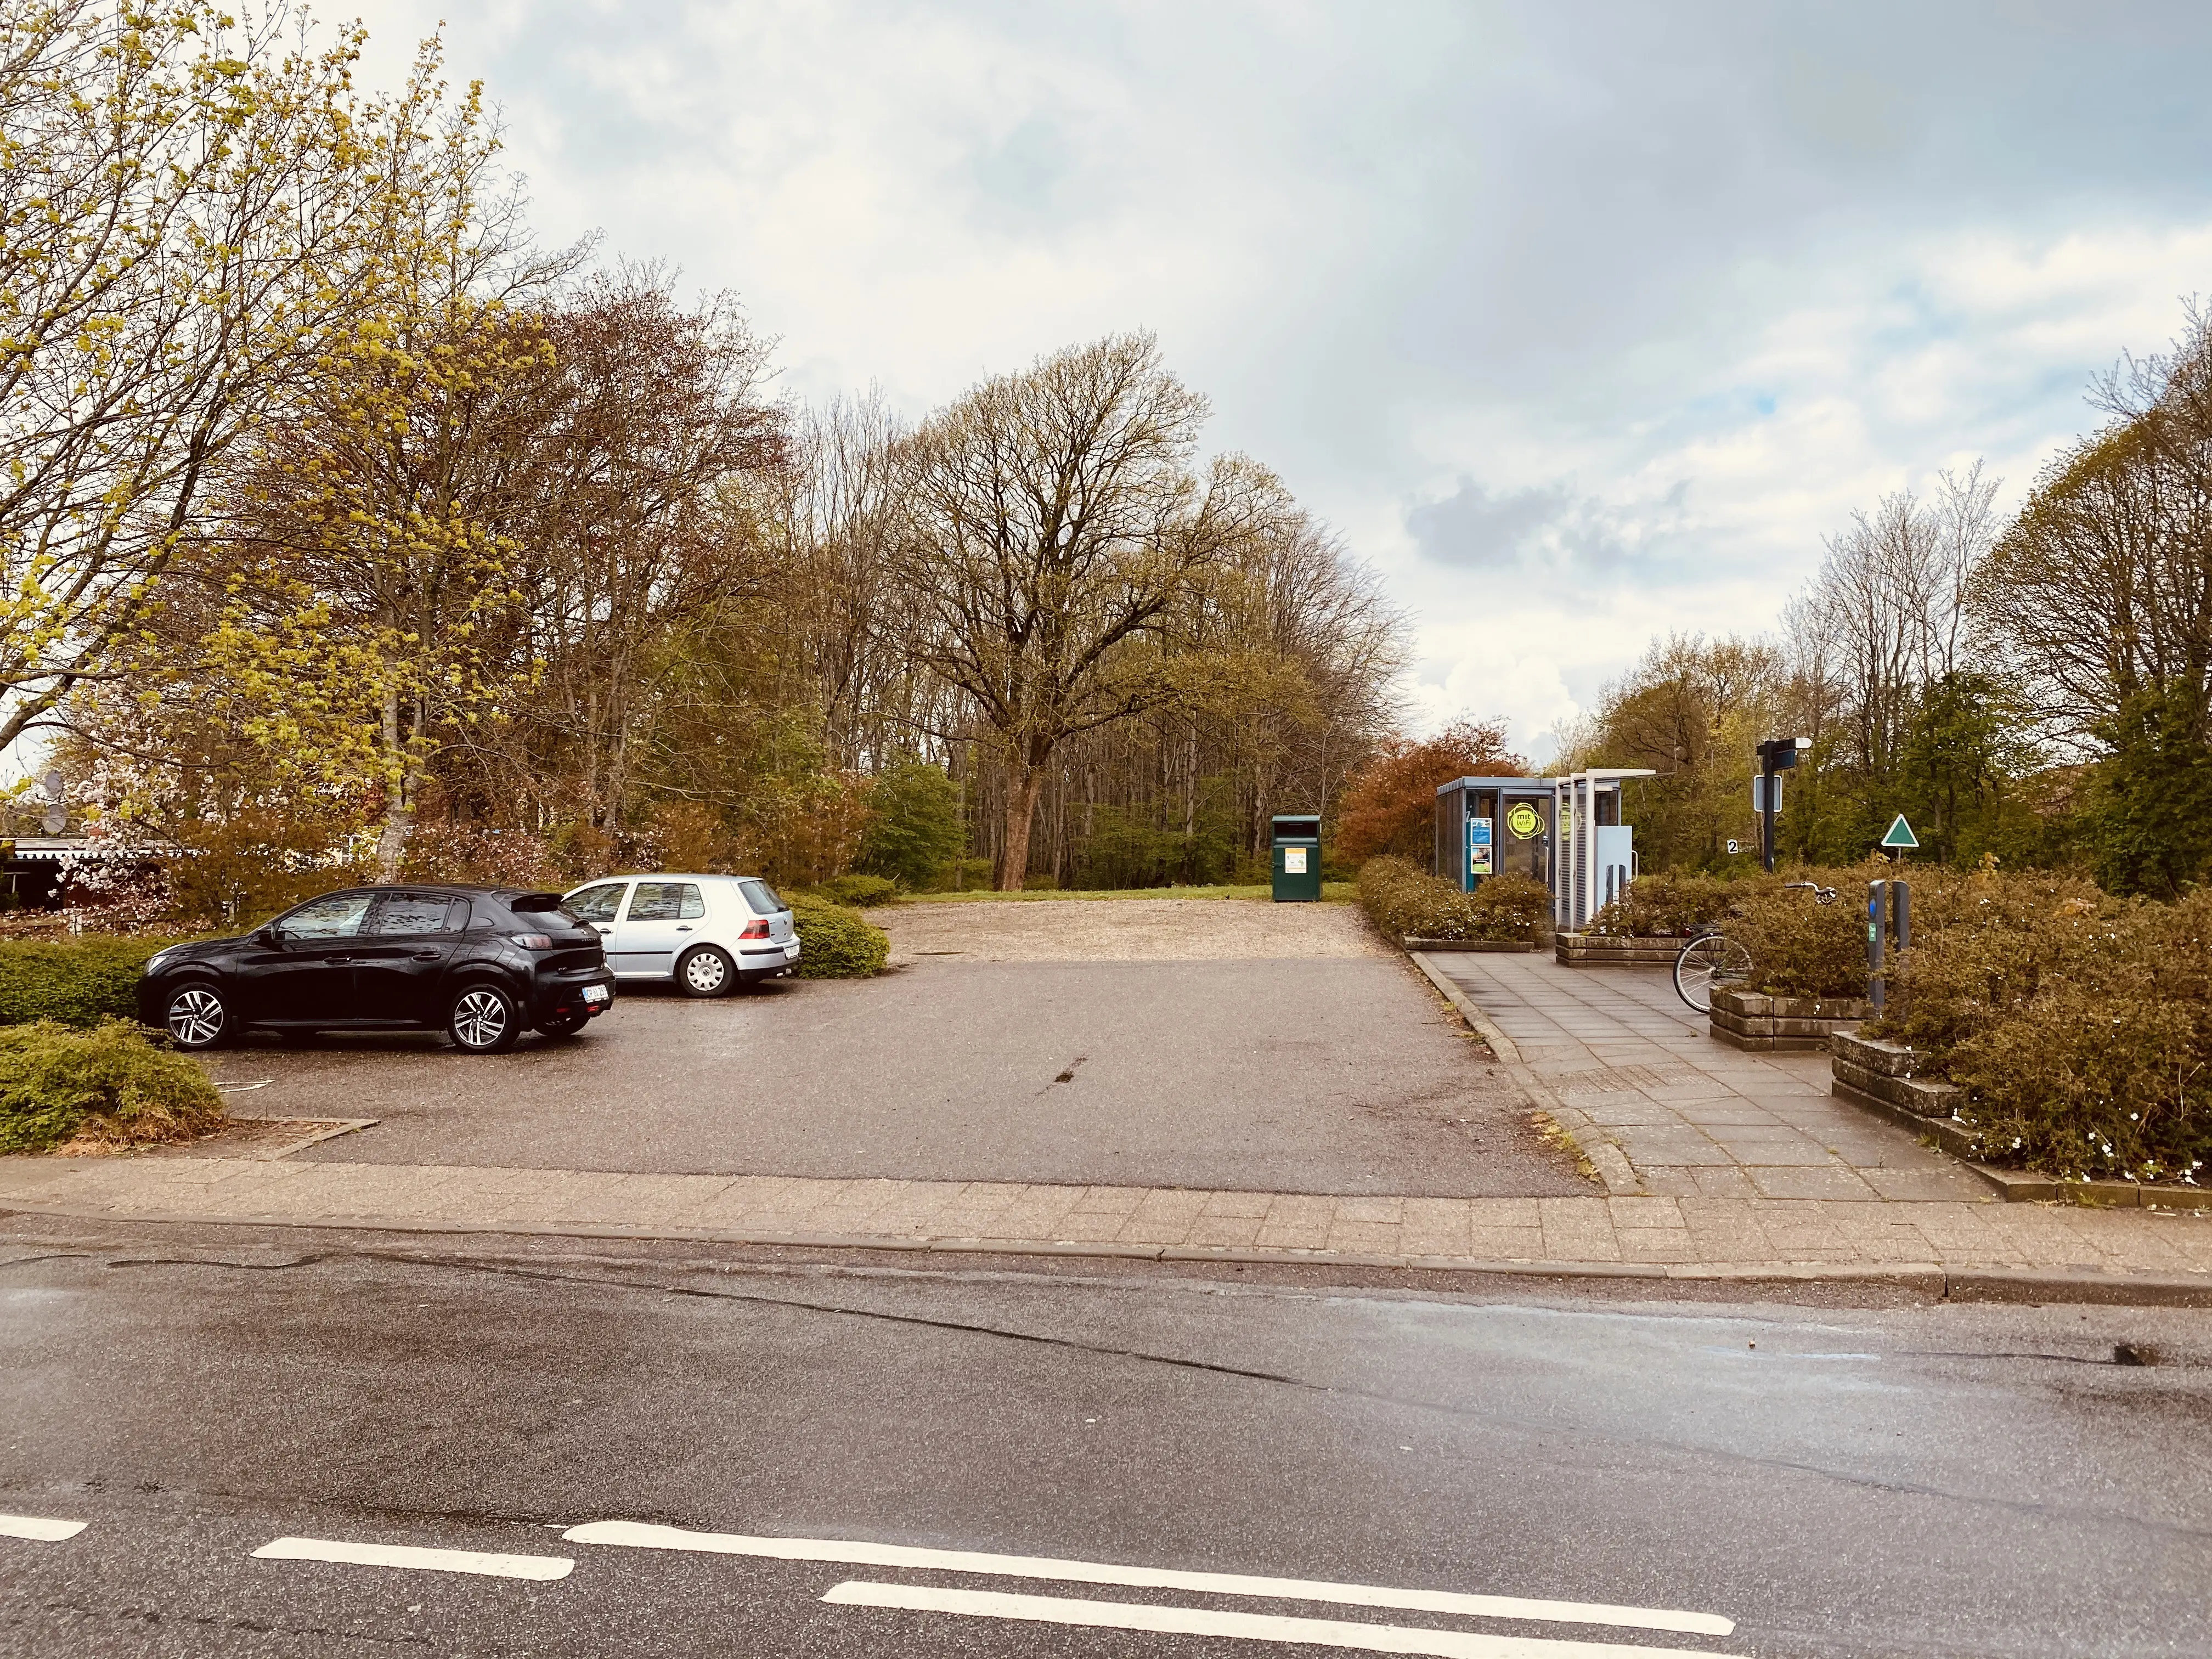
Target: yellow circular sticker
(1525,820)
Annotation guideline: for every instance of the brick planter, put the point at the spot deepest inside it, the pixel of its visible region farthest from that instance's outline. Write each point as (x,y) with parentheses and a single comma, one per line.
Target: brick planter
(1618,950)
(1878,1076)
(1748,1019)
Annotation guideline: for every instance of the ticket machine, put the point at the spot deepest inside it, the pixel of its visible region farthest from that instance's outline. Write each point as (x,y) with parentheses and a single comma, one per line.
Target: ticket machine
(1494,827)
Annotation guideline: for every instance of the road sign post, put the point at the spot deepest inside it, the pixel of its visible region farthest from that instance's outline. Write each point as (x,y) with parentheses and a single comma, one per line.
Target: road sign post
(1898,839)
(1775,754)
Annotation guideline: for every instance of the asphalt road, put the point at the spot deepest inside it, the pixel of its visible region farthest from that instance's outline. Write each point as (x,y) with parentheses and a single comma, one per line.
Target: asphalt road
(1818,1481)
(1321,1075)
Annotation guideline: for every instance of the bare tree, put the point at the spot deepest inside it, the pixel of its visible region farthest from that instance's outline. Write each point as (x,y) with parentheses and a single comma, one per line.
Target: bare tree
(1053,536)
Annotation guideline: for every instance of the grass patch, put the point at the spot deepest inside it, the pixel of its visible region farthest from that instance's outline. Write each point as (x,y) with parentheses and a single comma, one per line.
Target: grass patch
(108,1084)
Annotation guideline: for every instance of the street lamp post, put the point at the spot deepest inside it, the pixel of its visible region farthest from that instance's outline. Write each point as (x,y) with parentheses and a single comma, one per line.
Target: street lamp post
(1775,754)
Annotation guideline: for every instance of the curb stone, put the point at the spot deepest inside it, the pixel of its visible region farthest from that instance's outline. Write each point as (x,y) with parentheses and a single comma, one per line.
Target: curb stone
(1951,1283)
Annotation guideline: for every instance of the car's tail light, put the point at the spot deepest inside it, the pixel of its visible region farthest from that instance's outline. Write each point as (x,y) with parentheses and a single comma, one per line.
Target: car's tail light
(532,941)
(755,929)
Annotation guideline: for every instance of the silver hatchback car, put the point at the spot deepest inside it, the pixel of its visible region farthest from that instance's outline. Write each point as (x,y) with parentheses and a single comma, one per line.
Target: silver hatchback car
(708,934)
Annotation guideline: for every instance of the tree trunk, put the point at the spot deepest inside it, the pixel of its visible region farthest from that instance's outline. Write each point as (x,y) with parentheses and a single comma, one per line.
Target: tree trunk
(1025,783)
(399,809)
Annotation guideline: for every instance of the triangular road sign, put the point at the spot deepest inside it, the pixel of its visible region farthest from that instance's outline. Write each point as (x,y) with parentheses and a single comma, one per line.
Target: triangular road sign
(1900,834)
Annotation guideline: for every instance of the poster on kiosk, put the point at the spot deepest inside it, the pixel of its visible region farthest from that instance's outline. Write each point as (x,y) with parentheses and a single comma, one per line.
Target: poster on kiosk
(1479,843)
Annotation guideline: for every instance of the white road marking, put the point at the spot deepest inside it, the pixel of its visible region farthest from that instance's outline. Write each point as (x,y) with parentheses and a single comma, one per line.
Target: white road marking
(861,1553)
(542,1567)
(1245,1626)
(39,1527)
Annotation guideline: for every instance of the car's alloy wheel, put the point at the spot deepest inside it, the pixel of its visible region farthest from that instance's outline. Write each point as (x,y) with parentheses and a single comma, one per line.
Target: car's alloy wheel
(197,1018)
(706,972)
(483,1021)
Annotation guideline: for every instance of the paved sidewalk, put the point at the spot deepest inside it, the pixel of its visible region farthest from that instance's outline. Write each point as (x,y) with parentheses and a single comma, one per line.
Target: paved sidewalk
(1615,1050)
(1686,1236)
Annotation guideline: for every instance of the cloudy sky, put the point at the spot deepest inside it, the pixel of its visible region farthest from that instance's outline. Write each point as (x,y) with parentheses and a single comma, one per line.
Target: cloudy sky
(1582,322)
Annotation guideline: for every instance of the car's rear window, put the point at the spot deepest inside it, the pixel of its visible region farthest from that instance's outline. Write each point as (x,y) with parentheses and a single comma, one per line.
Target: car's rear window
(761,897)
(417,913)
(665,901)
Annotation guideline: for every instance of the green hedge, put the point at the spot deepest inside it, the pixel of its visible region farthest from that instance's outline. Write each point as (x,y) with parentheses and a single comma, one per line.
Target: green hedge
(1670,903)
(836,942)
(1407,903)
(108,1083)
(78,981)
(860,891)
(2078,1026)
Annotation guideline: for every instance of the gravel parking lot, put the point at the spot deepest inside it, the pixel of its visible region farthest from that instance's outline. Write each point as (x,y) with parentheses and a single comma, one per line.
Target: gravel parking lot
(1101,1042)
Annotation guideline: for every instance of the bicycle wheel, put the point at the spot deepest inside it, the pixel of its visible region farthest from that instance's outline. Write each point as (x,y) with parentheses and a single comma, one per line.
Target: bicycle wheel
(1707,963)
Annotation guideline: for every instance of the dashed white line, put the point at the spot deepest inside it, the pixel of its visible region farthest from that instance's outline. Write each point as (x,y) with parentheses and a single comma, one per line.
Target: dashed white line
(860,1553)
(541,1567)
(38,1527)
(1245,1626)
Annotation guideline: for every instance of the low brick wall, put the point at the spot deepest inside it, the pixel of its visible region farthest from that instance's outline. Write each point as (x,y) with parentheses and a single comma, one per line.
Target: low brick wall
(1413,944)
(1878,1076)
(1618,950)
(1750,1019)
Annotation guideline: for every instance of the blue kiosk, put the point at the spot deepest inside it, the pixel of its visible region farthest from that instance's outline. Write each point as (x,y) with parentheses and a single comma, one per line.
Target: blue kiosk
(1565,832)
(1494,827)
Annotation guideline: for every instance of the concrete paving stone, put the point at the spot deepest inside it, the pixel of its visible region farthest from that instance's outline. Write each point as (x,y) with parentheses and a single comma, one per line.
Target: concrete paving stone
(1804,1154)
(1658,1245)
(1520,1212)
(1108,1200)
(1237,1205)
(1155,1229)
(1492,1244)
(1301,1209)
(1832,1181)
(1626,1111)
(1686,1096)
(1389,1210)
(1727,1181)
(1162,1203)
(1381,1237)
(1091,1227)
(1645,1145)
(1643,1213)
(1670,1181)
(1920,1184)
(1224,1232)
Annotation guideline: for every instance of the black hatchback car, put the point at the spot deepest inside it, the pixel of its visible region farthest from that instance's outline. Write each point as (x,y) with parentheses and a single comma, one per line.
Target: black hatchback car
(485,964)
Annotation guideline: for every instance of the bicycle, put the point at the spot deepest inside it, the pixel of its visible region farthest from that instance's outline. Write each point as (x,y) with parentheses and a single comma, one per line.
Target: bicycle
(1712,960)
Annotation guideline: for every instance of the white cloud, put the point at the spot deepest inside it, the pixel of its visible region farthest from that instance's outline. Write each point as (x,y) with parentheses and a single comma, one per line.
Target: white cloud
(1655,296)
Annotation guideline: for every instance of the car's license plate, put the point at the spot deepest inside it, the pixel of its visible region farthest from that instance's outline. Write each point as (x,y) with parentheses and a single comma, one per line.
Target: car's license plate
(595,994)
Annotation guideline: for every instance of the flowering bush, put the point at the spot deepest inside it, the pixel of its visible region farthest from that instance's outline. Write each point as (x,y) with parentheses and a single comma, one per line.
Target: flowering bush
(2078,1026)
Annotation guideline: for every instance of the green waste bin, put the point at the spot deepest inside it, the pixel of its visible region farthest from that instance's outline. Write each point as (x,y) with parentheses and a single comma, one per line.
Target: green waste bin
(1297,842)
